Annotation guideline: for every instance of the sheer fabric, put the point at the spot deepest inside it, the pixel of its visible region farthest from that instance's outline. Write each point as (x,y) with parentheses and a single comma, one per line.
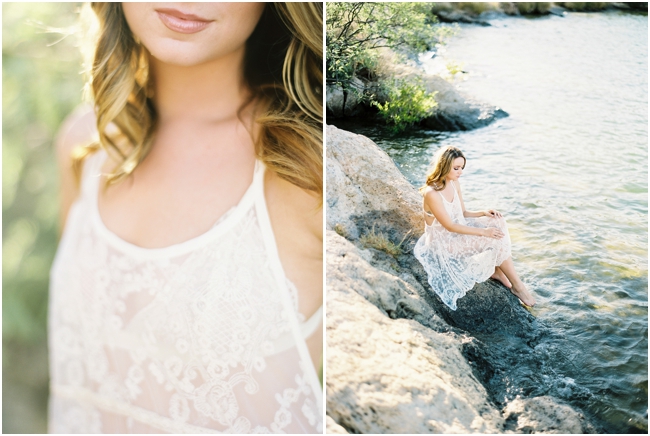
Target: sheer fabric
(455,262)
(200,337)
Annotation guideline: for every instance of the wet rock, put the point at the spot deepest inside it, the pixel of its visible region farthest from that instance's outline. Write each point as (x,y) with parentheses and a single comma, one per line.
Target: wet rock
(393,375)
(557,10)
(456,16)
(542,415)
(639,6)
(488,308)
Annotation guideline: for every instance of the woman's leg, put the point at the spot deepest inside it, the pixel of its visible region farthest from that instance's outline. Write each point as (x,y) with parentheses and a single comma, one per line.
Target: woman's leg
(500,276)
(518,287)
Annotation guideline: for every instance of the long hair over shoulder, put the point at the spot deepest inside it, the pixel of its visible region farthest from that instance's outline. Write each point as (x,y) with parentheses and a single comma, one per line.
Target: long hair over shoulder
(282,67)
(442,162)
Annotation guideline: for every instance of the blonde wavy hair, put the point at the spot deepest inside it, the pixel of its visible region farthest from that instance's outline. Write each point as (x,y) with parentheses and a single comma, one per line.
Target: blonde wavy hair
(442,163)
(282,67)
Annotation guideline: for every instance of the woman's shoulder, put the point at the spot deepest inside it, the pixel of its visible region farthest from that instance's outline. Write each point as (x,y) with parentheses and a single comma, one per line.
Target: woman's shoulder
(429,192)
(78,128)
(295,204)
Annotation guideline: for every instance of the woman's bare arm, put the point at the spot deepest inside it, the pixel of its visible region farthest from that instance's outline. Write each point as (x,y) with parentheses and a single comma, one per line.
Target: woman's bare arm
(470,214)
(77,129)
(434,201)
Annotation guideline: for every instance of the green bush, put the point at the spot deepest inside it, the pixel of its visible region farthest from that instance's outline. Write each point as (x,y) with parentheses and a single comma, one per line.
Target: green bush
(41,84)
(408,103)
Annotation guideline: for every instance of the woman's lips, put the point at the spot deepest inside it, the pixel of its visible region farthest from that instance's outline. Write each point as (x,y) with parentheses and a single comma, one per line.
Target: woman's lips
(182,23)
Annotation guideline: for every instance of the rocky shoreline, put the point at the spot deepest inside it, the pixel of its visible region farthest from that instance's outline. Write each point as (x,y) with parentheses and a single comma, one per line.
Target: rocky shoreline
(398,360)
(455,111)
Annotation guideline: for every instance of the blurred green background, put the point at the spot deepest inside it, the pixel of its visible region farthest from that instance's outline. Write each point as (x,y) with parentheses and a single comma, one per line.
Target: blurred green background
(41,84)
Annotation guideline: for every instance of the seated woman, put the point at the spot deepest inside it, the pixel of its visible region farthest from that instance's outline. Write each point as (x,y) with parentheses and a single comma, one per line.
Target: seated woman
(460,248)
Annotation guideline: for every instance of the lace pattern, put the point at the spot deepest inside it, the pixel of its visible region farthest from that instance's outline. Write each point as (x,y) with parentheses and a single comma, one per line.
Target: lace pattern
(455,262)
(199,337)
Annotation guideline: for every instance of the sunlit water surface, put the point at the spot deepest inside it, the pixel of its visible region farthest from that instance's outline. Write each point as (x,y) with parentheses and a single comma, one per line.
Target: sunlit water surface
(568,168)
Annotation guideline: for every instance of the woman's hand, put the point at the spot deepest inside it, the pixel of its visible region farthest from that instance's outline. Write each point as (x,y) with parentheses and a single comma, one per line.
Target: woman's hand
(492,213)
(492,232)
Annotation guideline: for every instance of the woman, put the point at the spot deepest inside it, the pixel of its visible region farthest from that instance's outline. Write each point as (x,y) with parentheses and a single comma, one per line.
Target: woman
(460,248)
(186,293)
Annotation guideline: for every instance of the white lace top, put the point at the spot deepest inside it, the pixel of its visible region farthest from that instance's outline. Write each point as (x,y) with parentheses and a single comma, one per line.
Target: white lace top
(455,262)
(199,337)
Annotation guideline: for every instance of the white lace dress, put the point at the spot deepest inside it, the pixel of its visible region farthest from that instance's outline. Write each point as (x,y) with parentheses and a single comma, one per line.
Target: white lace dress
(199,337)
(454,262)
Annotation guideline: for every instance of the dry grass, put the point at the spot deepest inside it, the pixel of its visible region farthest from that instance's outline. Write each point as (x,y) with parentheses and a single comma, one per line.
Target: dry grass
(381,242)
(338,228)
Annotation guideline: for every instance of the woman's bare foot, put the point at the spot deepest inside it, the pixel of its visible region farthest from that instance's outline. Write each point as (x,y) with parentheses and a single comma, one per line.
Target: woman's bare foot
(522,293)
(500,276)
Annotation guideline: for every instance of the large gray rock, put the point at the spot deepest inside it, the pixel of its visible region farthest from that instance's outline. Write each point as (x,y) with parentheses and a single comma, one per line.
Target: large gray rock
(393,376)
(339,105)
(363,183)
(332,427)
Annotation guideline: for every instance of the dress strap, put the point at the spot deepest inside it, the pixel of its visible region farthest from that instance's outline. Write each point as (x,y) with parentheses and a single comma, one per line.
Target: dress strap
(308,327)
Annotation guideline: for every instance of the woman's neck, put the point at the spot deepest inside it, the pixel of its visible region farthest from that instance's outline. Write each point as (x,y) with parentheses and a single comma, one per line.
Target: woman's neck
(210,92)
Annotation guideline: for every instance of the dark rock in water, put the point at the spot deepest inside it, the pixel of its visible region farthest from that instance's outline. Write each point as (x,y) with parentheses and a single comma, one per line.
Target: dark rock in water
(488,308)
(473,117)
(639,6)
(557,10)
(455,16)
(456,111)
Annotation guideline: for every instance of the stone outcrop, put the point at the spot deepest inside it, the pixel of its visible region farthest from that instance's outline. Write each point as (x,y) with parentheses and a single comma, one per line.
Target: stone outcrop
(397,376)
(399,360)
(363,182)
(455,111)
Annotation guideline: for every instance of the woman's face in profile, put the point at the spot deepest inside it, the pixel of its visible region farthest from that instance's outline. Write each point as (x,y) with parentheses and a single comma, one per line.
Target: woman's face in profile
(192,33)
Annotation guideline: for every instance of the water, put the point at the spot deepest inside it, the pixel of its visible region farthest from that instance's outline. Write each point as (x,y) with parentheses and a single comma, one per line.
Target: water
(568,168)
